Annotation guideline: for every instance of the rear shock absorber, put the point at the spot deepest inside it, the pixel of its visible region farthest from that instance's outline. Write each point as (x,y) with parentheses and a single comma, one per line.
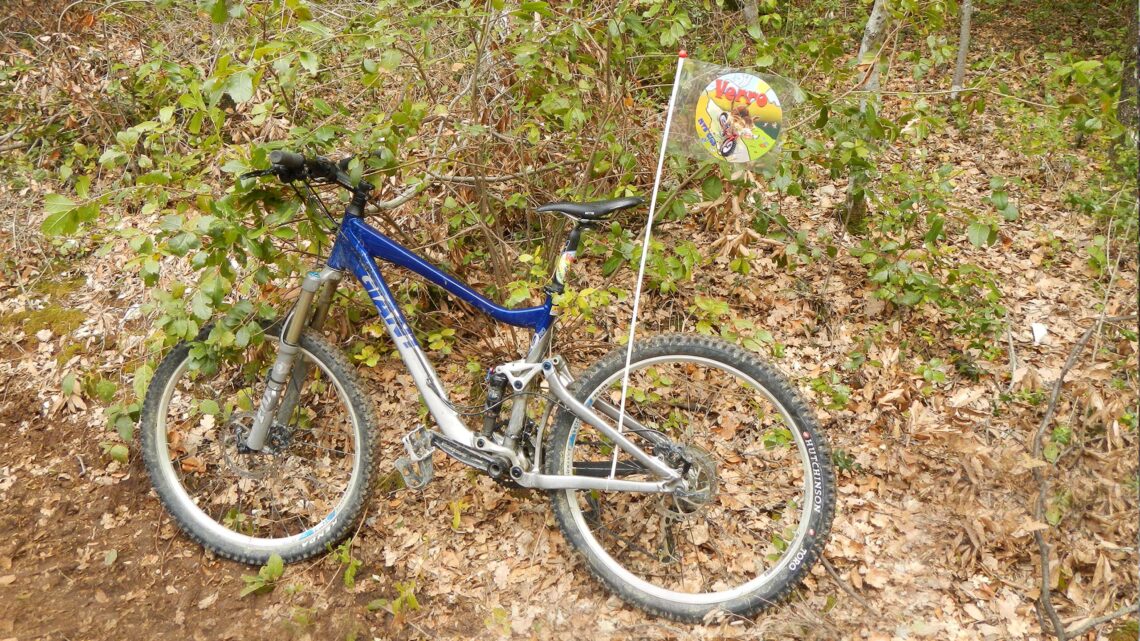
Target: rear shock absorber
(496,383)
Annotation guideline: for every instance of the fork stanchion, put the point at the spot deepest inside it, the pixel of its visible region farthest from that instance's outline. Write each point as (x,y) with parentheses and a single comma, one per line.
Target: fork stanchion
(681,56)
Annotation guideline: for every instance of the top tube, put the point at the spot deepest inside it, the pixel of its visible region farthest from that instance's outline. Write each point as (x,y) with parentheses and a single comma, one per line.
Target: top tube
(365,239)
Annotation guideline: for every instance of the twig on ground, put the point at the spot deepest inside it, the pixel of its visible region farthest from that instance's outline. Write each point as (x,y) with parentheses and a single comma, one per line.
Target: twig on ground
(1078,630)
(1012,358)
(1045,598)
(846,587)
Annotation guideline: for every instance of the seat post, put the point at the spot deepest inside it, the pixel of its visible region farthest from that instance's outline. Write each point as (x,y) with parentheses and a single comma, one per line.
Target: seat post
(569,254)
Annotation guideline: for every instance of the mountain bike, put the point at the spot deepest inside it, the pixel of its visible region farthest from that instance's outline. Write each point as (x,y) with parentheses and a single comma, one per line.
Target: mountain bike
(715,492)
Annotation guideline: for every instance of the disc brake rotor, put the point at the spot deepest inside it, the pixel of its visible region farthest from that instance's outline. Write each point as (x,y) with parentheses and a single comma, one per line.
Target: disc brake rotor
(702,482)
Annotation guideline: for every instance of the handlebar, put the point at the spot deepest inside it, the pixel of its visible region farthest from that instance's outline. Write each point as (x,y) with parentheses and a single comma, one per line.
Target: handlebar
(290,166)
(287,160)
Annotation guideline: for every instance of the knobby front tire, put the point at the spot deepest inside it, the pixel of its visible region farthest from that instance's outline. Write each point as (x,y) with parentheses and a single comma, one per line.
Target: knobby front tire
(764,488)
(305,491)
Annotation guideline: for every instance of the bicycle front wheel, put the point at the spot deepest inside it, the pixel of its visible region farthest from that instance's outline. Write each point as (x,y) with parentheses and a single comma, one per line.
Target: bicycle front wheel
(761,494)
(307,486)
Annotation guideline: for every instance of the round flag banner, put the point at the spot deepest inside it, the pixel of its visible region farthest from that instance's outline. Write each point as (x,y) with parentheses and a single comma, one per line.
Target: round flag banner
(738,118)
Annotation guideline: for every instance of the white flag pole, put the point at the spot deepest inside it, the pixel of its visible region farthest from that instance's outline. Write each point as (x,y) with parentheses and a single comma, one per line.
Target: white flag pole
(681,56)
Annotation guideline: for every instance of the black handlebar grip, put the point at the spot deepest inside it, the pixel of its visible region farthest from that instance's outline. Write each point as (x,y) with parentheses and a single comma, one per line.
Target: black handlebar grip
(287,159)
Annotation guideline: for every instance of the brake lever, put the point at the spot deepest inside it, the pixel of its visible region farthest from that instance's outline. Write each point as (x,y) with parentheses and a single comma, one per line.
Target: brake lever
(258,174)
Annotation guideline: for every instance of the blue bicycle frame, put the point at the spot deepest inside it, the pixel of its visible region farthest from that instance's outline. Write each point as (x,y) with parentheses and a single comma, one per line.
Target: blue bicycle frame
(358,244)
(355,250)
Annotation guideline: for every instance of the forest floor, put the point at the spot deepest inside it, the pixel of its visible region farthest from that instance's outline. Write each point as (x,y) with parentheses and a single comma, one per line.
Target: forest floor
(933,536)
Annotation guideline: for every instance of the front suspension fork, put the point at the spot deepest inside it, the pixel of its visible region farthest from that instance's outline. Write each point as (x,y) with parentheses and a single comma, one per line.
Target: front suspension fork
(285,379)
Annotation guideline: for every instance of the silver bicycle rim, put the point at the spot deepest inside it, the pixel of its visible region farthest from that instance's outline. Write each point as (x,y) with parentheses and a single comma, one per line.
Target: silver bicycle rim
(700,598)
(201,521)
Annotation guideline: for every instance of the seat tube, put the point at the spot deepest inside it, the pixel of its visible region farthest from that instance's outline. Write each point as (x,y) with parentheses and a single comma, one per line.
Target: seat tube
(282,368)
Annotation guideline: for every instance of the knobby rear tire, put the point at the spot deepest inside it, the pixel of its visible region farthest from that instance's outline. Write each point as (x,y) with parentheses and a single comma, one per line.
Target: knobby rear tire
(809,443)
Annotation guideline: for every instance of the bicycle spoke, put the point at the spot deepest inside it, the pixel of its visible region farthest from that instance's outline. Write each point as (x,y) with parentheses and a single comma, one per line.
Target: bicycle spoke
(699,547)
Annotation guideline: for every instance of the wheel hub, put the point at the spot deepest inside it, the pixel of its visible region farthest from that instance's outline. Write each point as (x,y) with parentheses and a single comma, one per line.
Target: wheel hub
(701,484)
(241,460)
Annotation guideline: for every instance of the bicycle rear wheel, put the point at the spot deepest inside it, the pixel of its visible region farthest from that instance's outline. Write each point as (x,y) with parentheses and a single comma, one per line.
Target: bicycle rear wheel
(762,489)
(304,490)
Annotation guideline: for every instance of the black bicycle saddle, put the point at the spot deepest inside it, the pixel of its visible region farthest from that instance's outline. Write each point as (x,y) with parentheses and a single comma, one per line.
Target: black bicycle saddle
(595,210)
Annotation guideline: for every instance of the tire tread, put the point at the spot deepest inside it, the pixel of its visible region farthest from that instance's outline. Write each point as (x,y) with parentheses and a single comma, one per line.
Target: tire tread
(769,377)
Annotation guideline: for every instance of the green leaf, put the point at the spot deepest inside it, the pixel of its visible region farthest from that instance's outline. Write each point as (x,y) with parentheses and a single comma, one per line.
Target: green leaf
(142,379)
(712,187)
(201,306)
(240,86)
(310,61)
(219,12)
(124,427)
(253,584)
(119,453)
(316,28)
(153,178)
(979,234)
(56,203)
(67,386)
(63,217)
(935,230)
(1053,514)
(111,156)
(181,244)
(390,59)
(105,390)
(612,263)
(274,568)
(209,406)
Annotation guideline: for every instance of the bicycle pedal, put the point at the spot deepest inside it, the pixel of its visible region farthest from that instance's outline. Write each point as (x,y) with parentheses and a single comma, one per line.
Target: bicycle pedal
(418,445)
(416,474)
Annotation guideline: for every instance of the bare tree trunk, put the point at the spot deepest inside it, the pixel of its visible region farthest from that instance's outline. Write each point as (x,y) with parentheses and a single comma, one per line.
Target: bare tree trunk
(1128,109)
(963,48)
(872,46)
(854,210)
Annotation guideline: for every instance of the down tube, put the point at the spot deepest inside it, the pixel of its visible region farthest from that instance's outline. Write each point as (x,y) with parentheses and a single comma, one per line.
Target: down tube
(427,381)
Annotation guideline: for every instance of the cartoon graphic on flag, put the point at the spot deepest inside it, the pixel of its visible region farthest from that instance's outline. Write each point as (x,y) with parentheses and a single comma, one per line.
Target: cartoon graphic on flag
(728,114)
(738,117)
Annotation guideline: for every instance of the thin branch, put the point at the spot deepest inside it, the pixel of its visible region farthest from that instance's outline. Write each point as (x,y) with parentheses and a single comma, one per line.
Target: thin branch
(404,197)
(1045,598)
(846,587)
(1077,631)
(471,180)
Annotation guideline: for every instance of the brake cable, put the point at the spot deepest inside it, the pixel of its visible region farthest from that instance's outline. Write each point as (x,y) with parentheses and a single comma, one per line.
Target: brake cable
(313,196)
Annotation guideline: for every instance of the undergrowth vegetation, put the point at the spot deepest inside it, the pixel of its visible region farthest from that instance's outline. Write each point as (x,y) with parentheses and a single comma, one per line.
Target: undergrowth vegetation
(479,111)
